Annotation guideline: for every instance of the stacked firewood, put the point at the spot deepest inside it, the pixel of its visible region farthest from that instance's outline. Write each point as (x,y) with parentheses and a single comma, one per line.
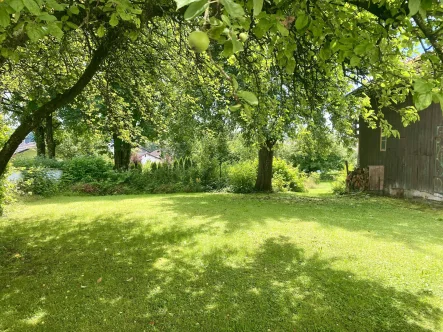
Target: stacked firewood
(358,180)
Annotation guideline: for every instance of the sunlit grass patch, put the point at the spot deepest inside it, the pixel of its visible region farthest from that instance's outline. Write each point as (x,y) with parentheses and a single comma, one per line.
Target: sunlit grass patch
(219,262)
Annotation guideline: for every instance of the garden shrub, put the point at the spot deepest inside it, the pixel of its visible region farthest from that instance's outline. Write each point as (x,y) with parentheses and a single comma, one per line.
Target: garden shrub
(101,188)
(312,181)
(329,176)
(339,185)
(37,181)
(7,192)
(315,177)
(293,179)
(167,178)
(86,169)
(278,183)
(36,162)
(242,176)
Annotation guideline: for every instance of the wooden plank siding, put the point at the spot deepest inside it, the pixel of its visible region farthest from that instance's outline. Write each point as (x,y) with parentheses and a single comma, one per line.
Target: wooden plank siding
(409,162)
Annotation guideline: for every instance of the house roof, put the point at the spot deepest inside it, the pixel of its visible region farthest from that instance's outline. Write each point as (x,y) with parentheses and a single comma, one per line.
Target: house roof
(25,147)
(154,154)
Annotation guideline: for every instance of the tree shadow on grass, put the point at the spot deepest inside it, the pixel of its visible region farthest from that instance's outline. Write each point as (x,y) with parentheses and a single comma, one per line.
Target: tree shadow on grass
(382,218)
(282,290)
(110,275)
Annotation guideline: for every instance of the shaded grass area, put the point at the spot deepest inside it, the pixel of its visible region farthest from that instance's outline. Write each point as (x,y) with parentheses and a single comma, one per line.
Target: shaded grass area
(219,262)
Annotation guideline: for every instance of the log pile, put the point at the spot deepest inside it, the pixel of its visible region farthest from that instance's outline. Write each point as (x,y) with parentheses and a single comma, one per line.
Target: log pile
(358,180)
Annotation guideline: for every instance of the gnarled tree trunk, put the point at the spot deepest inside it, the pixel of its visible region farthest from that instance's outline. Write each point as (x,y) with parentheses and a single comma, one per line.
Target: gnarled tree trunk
(50,143)
(122,154)
(31,121)
(39,134)
(264,174)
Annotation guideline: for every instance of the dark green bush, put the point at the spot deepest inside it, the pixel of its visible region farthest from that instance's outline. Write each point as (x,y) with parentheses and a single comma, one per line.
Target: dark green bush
(37,181)
(37,162)
(242,176)
(101,188)
(339,185)
(86,169)
(7,192)
(287,177)
(329,176)
(164,178)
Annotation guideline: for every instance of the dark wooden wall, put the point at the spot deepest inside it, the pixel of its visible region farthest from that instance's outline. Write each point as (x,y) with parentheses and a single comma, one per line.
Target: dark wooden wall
(412,162)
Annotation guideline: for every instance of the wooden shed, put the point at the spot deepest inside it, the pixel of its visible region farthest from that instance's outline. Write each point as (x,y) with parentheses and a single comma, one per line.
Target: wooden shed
(411,165)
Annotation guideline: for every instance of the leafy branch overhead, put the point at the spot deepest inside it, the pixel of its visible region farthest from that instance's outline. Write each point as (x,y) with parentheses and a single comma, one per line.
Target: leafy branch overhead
(370,40)
(266,66)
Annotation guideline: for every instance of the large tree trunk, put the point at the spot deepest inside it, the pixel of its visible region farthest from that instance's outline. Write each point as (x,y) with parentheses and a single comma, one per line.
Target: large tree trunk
(50,144)
(122,154)
(31,121)
(264,174)
(39,134)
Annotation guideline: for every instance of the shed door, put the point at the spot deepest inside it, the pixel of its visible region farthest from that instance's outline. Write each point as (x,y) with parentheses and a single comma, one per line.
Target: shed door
(376,178)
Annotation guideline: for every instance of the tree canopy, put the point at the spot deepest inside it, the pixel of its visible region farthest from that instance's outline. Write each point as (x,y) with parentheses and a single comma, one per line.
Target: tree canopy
(137,68)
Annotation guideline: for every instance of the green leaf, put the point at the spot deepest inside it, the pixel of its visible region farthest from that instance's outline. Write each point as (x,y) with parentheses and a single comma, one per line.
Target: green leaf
(72,25)
(423,101)
(74,10)
(414,6)
(234,83)
(302,21)
(361,48)
(124,16)
(4,18)
(440,98)
(32,6)
(421,86)
(55,30)
(248,97)
(258,6)
(355,61)
(55,5)
(101,31)
(34,31)
(290,66)
(283,31)
(426,4)
(325,53)
(195,9)
(133,35)
(182,3)
(228,49)
(114,20)
(4,52)
(216,31)
(47,17)
(233,9)
(17,5)
(235,108)
(237,46)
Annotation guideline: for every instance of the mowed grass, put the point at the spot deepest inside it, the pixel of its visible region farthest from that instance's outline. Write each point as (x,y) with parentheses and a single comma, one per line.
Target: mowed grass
(221,262)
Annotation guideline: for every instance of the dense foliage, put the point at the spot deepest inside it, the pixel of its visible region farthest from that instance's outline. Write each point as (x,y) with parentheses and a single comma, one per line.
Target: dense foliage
(179,71)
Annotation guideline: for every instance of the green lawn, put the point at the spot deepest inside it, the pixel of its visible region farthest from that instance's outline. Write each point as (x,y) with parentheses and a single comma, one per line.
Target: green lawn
(220,262)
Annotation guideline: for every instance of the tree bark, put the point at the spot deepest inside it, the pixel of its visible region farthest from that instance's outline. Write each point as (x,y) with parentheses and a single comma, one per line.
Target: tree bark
(122,154)
(50,143)
(264,174)
(39,134)
(31,121)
